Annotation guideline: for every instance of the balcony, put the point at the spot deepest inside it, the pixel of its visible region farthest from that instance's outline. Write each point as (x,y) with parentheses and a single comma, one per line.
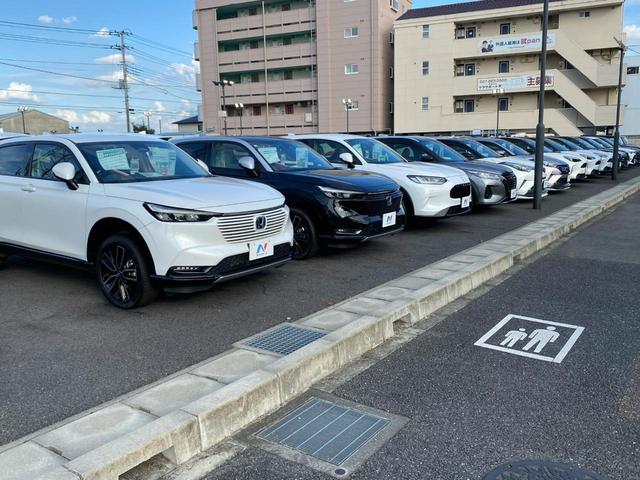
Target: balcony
(194,19)
(302,54)
(196,51)
(276,120)
(198,82)
(279,91)
(296,20)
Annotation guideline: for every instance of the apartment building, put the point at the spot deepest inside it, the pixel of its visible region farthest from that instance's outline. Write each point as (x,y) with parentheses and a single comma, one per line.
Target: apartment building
(631,99)
(292,62)
(462,68)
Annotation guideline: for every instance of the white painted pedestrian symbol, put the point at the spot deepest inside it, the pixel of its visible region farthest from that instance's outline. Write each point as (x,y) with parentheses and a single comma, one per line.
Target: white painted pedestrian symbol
(532,337)
(540,338)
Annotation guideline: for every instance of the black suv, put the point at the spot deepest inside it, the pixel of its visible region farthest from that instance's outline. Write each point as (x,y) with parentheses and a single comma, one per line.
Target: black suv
(333,206)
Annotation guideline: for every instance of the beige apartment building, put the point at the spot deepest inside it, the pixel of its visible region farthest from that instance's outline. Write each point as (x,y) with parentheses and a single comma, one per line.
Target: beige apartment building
(457,66)
(292,62)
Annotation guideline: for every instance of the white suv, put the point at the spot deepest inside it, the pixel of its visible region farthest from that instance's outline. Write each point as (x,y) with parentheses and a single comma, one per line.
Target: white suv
(140,212)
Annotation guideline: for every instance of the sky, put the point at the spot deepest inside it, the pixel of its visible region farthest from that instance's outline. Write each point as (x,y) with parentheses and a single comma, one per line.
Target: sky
(69,44)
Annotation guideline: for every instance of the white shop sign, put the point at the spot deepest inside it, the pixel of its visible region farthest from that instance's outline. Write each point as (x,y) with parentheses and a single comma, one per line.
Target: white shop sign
(508,43)
(513,82)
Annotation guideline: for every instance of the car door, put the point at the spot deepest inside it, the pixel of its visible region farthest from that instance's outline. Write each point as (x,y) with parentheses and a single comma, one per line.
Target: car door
(14,160)
(54,217)
(224,157)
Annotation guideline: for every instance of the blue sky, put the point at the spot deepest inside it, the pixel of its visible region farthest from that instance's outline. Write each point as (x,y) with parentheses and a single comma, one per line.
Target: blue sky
(163,76)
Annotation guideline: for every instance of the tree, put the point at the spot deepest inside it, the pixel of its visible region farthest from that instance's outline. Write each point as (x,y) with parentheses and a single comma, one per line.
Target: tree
(141,127)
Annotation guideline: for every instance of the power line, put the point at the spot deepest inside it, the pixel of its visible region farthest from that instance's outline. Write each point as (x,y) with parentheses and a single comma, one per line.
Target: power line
(56,73)
(92,95)
(160,46)
(49,41)
(33,26)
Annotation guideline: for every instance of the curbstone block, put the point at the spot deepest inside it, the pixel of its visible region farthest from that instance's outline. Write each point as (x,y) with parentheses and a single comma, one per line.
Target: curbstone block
(360,336)
(28,460)
(329,319)
(234,365)
(59,473)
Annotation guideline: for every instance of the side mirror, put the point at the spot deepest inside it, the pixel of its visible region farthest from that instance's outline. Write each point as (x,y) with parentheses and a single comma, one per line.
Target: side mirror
(248,163)
(347,158)
(66,172)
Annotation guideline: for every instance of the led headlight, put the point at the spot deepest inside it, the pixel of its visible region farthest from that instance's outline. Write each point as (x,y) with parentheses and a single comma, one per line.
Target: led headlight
(341,194)
(481,174)
(171,214)
(427,180)
(521,168)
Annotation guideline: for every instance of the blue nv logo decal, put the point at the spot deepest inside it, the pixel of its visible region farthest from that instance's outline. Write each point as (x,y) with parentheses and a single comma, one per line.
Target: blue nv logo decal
(261,222)
(262,248)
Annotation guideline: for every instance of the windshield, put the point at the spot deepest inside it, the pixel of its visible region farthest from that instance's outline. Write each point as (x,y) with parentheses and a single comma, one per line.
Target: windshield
(499,149)
(601,143)
(373,151)
(283,154)
(582,143)
(485,152)
(530,145)
(553,145)
(570,144)
(139,161)
(441,150)
(510,147)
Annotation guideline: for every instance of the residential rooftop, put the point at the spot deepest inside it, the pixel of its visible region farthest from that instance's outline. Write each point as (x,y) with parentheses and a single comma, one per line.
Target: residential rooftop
(477,6)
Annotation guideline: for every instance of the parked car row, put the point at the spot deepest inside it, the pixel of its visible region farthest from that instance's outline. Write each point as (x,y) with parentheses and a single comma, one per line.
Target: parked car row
(149,215)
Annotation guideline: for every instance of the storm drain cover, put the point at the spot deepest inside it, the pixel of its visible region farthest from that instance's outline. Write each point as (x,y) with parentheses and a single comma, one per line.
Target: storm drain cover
(540,470)
(325,430)
(283,339)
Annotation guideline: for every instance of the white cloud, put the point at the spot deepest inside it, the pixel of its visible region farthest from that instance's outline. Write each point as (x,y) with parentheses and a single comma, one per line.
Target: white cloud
(94,117)
(46,19)
(159,106)
(188,72)
(114,58)
(69,20)
(103,32)
(632,31)
(113,77)
(20,91)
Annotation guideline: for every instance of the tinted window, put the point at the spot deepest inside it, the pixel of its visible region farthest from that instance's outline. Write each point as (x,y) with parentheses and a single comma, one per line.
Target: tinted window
(283,154)
(527,145)
(197,150)
(480,149)
(330,150)
(373,151)
(503,152)
(13,159)
(48,155)
(407,151)
(510,147)
(441,150)
(225,155)
(462,149)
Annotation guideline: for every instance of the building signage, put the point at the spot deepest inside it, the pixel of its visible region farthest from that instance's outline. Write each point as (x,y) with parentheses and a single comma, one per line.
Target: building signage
(513,82)
(508,43)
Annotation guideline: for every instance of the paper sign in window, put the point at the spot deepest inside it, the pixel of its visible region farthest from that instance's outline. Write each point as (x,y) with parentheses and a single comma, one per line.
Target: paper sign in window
(270,154)
(163,161)
(113,159)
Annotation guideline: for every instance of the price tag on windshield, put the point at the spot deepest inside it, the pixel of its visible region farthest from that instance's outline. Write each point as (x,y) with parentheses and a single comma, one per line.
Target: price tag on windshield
(270,154)
(113,159)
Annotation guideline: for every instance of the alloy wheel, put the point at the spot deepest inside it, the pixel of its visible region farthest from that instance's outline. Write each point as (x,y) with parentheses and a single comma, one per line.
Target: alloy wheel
(302,236)
(119,274)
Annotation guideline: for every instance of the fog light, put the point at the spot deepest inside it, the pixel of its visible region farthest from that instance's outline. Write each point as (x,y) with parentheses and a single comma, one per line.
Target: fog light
(184,270)
(348,231)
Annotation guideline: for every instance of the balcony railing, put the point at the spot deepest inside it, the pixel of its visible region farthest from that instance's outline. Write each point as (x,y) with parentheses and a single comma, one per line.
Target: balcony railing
(276,53)
(276,20)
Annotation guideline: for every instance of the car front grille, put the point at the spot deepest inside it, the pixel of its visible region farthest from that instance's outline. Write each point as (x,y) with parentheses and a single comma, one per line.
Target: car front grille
(238,263)
(563,180)
(375,204)
(242,228)
(510,181)
(461,190)
(564,169)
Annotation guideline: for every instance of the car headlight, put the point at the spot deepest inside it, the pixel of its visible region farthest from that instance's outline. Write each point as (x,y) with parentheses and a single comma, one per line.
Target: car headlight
(171,214)
(481,174)
(341,194)
(427,180)
(517,166)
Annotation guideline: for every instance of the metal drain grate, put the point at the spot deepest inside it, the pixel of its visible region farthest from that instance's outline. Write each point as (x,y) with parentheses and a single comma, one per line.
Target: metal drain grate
(325,430)
(283,339)
(540,470)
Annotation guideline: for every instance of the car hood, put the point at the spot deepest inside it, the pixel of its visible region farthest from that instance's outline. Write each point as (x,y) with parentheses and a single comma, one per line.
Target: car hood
(480,166)
(420,168)
(218,194)
(347,179)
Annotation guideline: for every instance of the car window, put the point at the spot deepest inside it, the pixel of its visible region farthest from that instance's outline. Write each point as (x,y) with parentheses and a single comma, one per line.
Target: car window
(332,150)
(14,159)
(373,151)
(482,150)
(285,154)
(512,148)
(441,150)
(197,150)
(501,151)
(407,151)
(226,155)
(48,155)
(463,150)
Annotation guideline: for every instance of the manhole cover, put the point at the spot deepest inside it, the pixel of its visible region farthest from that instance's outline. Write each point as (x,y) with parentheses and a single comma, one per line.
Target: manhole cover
(540,470)
(283,339)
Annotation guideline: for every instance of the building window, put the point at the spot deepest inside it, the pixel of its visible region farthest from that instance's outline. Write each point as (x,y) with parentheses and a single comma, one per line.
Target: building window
(390,107)
(503,66)
(505,28)
(288,109)
(425,67)
(390,72)
(469,69)
(287,75)
(633,70)
(256,110)
(391,37)
(351,69)
(469,105)
(350,32)
(394,4)
(460,70)
(471,32)
(459,106)
(425,31)
(503,104)
(554,22)
(585,14)
(425,104)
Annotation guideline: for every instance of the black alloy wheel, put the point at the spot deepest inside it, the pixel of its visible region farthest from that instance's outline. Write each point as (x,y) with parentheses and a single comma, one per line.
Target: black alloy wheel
(122,273)
(305,240)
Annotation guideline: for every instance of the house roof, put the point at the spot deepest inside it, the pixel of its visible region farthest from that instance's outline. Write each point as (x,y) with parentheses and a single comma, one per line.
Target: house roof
(188,120)
(6,116)
(477,6)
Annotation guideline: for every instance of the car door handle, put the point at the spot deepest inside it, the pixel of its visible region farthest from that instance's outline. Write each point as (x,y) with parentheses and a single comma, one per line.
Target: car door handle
(29,188)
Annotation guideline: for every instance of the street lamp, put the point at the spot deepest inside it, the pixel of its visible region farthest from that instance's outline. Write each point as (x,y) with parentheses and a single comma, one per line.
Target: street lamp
(537,185)
(22,109)
(240,106)
(616,135)
(223,83)
(497,92)
(348,105)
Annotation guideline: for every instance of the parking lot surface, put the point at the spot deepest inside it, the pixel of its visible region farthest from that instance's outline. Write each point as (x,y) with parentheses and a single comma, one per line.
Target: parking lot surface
(471,408)
(64,349)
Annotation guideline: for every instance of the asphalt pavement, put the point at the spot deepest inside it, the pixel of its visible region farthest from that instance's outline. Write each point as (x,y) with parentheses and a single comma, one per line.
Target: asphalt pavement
(63,349)
(471,409)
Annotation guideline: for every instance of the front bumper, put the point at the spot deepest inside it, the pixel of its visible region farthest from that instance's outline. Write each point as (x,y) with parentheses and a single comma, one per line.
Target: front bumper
(228,269)
(488,191)
(558,183)
(443,200)
(355,230)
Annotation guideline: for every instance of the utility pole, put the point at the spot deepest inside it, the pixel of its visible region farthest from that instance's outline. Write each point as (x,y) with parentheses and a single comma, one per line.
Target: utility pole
(148,115)
(537,185)
(125,80)
(22,109)
(348,105)
(497,92)
(159,125)
(616,134)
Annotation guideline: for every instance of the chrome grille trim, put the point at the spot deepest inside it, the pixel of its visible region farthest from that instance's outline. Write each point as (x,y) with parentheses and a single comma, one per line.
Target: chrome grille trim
(242,228)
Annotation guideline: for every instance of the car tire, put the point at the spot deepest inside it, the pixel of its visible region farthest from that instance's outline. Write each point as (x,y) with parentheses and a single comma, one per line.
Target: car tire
(122,271)
(305,237)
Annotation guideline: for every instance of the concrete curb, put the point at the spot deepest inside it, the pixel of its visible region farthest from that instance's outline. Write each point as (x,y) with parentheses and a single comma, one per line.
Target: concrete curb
(195,410)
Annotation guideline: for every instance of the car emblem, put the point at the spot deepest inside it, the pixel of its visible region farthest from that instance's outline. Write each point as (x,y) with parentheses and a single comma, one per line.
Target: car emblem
(389,201)
(261,222)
